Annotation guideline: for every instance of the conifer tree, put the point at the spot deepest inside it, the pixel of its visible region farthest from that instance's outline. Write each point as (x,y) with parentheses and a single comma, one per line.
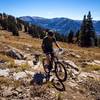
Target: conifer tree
(70,37)
(82,32)
(77,36)
(87,32)
(90,31)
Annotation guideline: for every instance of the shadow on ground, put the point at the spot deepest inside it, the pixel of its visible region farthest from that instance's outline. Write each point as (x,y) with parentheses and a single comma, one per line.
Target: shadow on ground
(40,79)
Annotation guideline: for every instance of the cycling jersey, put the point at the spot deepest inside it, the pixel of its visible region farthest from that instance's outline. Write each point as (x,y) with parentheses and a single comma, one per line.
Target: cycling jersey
(47,44)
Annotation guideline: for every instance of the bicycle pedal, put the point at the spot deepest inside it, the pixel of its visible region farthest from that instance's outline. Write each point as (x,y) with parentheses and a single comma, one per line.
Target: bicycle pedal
(53,70)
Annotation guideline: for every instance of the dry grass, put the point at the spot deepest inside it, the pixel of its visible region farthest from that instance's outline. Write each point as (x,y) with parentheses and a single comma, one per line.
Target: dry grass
(6,58)
(21,42)
(89,68)
(23,67)
(93,87)
(4,81)
(38,90)
(25,41)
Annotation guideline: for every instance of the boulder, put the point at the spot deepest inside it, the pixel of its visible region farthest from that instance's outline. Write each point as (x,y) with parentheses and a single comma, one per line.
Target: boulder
(19,75)
(21,62)
(2,61)
(29,72)
(14,54)
(7,92)
(74,55)
(97,61)
(37,65)
(72,65)
(4,72)
(85,75)
(91,62)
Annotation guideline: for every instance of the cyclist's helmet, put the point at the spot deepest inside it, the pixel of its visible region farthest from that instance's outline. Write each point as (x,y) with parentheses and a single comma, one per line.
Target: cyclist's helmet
(50,33)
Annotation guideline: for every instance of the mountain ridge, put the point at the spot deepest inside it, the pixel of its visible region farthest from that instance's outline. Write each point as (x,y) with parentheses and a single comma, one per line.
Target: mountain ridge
(60,24)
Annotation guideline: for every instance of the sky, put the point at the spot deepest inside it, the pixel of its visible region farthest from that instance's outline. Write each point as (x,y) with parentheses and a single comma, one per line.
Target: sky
(74,9)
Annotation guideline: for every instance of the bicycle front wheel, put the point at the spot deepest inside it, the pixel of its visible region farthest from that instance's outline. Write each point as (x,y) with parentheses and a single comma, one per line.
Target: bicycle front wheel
(60,71)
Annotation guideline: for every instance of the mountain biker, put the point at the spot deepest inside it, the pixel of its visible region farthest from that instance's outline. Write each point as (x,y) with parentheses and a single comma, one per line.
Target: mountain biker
(47,47)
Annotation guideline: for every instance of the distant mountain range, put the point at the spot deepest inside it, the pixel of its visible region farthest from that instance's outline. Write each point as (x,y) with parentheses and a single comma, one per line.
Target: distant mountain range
(61,25)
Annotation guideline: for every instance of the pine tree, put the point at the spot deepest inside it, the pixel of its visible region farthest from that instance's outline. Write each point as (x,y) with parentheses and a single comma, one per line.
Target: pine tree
(70,37)
(90,30)
(82,33)
(4,22)
(77,36)
(12,25)
(31,30)
(0,19)
(15,31)
(87,32)
(19,24)
(26,25)
(98,41)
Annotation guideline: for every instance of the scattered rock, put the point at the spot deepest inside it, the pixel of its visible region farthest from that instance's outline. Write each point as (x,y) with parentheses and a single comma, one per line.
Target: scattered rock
(19,90)
(38,65)
(2,61)
(72,83)
(72,65)
(7,92)
(74,55)
(28,57)
(30,63)
(84,75)
(15,54)
(15,93)
(19,75)
(89,62)
(4,72)
(97,62)
(20,62)
(28,49)
(29,72)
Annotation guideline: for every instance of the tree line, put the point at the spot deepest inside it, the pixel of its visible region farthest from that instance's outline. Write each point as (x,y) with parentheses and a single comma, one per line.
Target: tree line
(14,25)
(9,23)
(85,37)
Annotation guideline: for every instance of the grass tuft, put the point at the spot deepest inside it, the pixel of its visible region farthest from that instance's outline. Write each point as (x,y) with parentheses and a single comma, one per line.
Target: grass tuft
(89,68)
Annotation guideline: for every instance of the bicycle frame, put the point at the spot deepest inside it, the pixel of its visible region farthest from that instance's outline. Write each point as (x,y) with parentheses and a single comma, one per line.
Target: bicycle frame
(57,67)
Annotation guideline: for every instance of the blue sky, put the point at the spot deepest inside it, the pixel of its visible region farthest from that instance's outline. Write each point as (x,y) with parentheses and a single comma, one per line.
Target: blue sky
(74,9)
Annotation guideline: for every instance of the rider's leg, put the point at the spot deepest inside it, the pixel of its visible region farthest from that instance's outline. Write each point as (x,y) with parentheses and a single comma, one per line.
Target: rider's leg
(49,61)
(47,65)
(52,58)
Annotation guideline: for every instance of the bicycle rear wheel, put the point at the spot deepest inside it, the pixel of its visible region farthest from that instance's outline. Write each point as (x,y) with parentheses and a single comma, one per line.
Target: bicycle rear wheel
(60,71)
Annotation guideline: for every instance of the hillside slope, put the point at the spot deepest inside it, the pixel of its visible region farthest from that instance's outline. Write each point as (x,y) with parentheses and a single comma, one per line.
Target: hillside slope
(16,75)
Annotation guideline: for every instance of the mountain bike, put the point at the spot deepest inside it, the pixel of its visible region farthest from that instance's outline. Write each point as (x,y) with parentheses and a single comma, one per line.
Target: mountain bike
(57,66)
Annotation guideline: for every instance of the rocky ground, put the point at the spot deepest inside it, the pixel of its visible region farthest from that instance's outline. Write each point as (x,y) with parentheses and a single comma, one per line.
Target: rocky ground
(22,76)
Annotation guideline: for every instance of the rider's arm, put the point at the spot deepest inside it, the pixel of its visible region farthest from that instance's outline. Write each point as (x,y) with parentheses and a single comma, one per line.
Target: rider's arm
(57,45)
